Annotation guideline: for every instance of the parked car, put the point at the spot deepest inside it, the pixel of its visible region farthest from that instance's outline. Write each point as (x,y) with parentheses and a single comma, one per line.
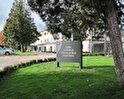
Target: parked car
(5,51)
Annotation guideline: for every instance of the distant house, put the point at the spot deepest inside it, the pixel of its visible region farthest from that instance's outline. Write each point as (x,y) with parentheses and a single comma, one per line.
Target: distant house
(100,45)
(46,42)
(2,42)
(91,44)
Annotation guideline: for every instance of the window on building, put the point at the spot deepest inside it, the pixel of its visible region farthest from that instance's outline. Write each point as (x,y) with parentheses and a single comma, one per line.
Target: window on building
(51,48)
(35,48)
(39,49)
(44,49)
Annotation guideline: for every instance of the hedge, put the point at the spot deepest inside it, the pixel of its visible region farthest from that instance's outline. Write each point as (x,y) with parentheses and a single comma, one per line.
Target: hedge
(9,69)
(95,54)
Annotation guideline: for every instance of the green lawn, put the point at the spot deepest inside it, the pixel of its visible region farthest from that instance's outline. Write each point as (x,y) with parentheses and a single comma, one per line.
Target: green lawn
(45,81)
(23,53)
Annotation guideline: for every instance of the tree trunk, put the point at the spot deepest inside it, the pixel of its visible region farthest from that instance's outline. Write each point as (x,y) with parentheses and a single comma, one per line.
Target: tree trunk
(91,42)
(105,43)
(115,38)
(25,47)
(22,48)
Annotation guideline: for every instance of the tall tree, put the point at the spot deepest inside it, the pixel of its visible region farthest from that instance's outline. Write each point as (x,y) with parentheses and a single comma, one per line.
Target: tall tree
(20,29)
(66,17)
(92,15)
(111,11)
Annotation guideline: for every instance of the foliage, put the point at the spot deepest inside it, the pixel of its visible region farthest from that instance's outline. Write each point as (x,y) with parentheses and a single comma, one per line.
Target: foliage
(74,16)
(46,81)
(20,29)
(101,13)
(95,54)
(69,17)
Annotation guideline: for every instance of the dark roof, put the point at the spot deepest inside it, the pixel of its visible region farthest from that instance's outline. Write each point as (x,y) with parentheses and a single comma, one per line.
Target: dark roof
(1,38)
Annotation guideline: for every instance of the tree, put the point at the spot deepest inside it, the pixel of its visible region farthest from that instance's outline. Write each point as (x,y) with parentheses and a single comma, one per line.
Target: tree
(103,15)
(20,29)
(111,11)
(65,17)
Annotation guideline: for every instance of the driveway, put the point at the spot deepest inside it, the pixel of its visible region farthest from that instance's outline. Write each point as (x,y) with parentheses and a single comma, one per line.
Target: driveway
(13,60)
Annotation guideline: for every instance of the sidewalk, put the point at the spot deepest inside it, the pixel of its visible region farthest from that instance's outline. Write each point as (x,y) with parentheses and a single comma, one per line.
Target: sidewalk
(14,60)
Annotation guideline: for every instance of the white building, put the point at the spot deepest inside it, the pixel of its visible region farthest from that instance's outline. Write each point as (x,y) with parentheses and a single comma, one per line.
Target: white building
(47,42)
(90,45)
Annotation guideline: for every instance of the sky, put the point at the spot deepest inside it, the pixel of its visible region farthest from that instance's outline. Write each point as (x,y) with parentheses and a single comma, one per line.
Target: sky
(6,5)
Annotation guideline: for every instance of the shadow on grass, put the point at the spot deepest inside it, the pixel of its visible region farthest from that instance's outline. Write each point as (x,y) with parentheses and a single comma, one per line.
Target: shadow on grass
(61,85)
(91,67)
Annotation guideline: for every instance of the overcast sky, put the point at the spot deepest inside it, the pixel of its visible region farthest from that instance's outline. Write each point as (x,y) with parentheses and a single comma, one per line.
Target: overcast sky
(6,5)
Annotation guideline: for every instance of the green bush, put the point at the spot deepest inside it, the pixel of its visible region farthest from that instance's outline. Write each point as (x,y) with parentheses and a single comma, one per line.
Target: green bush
(11,68)
(94,54)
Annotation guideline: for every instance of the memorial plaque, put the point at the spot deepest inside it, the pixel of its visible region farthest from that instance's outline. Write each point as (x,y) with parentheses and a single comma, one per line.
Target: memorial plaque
(69,51)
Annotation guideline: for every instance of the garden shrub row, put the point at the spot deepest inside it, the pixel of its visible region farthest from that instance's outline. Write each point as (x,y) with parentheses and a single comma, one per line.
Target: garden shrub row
(9,69)
(95,54)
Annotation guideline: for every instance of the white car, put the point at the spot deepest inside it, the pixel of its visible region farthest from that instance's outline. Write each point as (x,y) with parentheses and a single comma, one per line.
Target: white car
(5,51)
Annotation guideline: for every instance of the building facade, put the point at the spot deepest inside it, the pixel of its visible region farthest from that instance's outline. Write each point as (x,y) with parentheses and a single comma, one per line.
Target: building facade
(96,45)
(47,42)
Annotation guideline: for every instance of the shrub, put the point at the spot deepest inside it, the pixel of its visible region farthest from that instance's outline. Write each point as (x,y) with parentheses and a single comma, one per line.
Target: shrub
(11,68)
(94,54)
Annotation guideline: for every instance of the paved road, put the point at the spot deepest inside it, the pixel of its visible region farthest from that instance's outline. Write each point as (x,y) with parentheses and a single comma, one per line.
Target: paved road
(13,60)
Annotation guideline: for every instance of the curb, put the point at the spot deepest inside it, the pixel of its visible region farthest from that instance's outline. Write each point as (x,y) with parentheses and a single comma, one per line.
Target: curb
(9,69)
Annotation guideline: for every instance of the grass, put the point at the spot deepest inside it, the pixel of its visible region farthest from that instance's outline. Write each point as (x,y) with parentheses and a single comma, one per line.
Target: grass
(45,81)
(23,53)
